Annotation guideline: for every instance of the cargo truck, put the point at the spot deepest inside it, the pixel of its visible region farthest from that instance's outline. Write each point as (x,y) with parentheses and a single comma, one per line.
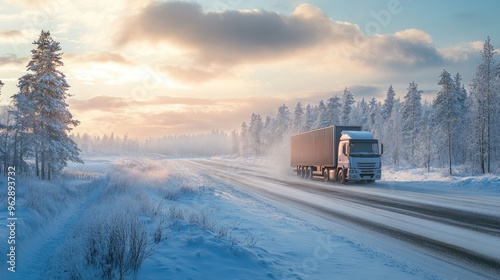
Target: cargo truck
(337,153)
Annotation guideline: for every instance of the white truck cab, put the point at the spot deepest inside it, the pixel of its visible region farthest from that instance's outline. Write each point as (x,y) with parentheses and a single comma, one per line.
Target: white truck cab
(359,157)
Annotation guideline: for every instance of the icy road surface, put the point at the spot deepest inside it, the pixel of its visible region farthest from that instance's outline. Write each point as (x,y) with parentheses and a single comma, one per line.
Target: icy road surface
(449,232)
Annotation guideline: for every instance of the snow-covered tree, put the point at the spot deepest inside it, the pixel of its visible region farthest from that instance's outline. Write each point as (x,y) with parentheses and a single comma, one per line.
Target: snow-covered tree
(42,99)
(322,115)
(267,134)
(447,112)
(485,89)
(309,119)
(411,113)
(244,138)
(373,109)
(359,114)
(282,123)
(388,103)
(392,134)
(255,133)
(428,138)
(298,118)
(235,142)
(462,120)
(347,101)
(333,107)
(3,135)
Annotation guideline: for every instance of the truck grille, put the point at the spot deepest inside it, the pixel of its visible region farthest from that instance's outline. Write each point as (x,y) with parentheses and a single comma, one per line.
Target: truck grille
(367,168)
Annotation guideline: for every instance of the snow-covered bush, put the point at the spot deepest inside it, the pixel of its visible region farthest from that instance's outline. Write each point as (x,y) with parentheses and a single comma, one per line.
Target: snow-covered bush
(110,242)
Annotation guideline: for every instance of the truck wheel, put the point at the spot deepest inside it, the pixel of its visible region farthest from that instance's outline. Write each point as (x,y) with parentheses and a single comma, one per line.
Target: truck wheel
(341,177)
(326,176)
(309,173)
(302,172)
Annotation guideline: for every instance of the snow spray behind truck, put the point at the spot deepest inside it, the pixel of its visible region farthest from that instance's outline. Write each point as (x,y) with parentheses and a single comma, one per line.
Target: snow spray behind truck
(338,153)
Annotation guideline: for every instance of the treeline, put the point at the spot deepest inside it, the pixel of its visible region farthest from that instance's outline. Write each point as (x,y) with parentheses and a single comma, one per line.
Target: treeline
(458,128)
(202,144)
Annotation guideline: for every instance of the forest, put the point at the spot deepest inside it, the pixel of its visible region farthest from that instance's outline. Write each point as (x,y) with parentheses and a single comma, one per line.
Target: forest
(456,131)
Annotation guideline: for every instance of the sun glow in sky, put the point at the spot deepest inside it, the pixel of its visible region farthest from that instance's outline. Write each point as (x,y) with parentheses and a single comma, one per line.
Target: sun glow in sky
(153,68)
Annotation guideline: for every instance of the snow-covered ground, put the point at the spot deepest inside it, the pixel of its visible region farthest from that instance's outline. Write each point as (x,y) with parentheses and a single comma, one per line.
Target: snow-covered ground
(201,222)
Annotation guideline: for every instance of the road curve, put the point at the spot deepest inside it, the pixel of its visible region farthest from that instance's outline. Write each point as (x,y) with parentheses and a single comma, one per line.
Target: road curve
(422,220)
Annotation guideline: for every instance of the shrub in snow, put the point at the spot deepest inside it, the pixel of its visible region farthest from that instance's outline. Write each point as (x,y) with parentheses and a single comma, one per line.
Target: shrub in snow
(108,244)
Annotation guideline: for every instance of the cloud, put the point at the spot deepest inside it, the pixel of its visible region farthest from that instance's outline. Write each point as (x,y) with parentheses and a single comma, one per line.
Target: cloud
(100,103)
(164,115)
(16,36)
(408,49)
(13,60)
(231,36)
(192,74)
(28,3)
(461,52)
(99,57)
(221,40)
(6,34)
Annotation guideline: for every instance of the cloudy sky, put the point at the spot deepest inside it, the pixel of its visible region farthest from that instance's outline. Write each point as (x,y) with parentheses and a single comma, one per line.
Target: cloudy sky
(152,68)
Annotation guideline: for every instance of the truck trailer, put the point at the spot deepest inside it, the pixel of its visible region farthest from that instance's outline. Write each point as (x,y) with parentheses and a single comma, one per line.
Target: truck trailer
(337,153)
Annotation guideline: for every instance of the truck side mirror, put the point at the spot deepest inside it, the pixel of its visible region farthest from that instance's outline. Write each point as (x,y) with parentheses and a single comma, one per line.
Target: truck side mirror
(381,148)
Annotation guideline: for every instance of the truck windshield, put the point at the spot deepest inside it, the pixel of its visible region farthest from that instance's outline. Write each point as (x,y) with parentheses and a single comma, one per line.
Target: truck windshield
(364,149)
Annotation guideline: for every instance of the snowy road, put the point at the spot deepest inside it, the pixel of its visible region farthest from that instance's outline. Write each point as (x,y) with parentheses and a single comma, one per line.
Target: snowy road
(449,233)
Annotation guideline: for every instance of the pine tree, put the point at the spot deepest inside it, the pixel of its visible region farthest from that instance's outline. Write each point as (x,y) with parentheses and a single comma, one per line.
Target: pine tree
(3,149)
(359,114)
(244,139)
(446,112)
(392,135)
(282,123)
(322,116)
(484,89)
(255,133)
(461,129)
(235,149)
(267,134)
(298,118)
(411,113)
(373,109)
(347,101)
(333,107)
(388,103)
(42,99)
(309,119)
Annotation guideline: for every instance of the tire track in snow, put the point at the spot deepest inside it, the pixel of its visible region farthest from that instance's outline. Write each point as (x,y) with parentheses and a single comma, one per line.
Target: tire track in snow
(480,264)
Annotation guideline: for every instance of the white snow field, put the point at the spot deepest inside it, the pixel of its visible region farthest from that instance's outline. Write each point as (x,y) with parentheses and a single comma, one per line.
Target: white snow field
(241,218)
